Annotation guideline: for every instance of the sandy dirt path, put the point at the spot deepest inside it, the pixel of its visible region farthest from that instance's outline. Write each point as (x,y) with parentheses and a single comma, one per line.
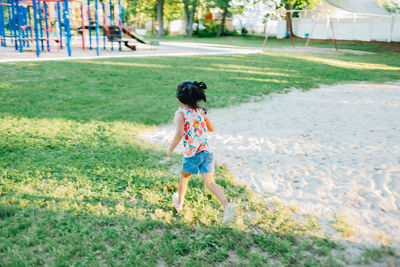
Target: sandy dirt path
(333,152)
(8,54)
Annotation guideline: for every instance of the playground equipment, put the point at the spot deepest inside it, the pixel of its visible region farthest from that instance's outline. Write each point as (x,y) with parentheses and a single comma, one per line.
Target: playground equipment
(44,24)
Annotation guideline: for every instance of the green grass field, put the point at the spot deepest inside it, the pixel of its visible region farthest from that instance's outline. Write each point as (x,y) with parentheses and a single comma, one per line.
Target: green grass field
(78,186)
(257,41)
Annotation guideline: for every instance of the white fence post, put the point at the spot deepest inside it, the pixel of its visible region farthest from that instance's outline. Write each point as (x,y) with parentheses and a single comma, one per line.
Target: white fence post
(391,29)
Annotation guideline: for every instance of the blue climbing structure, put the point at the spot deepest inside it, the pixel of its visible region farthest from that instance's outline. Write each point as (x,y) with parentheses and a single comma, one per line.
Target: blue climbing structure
(43,25)
(28,24)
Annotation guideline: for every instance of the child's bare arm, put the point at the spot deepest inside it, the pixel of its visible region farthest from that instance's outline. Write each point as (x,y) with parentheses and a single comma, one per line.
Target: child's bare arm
(178,134)
(210,126)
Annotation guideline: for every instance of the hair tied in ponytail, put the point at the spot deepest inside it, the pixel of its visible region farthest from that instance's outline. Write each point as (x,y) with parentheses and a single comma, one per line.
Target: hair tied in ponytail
(201,85)
(190,92)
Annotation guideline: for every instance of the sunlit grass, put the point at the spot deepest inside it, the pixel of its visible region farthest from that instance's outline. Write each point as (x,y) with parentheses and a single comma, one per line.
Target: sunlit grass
(342,225)
(142,89)
(261,80)
(247,67)
(130,64)
(244,71)
(337,62)
(100,181)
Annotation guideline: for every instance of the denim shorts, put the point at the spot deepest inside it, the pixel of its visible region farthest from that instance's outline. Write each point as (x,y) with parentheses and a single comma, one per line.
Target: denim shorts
(203,161)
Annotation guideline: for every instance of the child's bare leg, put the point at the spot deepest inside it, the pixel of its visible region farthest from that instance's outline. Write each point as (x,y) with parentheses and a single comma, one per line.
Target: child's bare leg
(216,189)
(185,176)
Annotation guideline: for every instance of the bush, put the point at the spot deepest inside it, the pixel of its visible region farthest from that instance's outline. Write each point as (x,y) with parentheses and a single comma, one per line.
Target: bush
(230,33)
(166,32)
(211,29)
(244,31)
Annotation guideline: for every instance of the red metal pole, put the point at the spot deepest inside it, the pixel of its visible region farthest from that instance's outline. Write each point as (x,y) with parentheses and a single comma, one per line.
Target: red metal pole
(83,28)
(333,33)
(312,31)
(290,29)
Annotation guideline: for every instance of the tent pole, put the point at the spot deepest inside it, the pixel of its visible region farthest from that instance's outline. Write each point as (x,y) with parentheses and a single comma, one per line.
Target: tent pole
(333,33)
(312,31)
(352,26)
(371,27)
(266,34)
(391,29)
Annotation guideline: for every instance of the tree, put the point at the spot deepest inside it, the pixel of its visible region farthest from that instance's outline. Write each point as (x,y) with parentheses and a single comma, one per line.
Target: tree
(160,17)
(173,9)
(389,5)
(141,9)
(224,5)
(277,5)
(190,9)
(162,11)
(296,5)
(300,4)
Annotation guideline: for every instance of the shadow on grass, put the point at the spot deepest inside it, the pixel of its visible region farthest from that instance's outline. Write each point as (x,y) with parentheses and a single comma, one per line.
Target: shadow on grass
(106,200)
(32,236)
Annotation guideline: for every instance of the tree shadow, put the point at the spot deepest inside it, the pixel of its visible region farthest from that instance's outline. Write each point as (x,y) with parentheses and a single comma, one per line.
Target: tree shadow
(105,202)
(101,201)
(33,236)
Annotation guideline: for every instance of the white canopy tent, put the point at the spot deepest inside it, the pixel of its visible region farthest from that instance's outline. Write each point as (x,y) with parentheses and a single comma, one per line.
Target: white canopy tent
(360,20)
(359,6)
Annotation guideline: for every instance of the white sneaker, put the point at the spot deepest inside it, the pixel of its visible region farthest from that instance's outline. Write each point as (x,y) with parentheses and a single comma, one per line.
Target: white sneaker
(175,199)
(229,214)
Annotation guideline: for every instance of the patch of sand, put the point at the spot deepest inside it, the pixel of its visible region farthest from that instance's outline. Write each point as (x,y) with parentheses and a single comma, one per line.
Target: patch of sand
(334,152)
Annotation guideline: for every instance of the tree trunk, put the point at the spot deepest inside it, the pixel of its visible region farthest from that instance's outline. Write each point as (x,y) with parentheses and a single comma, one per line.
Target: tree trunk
(192,17)
(198,20)
(189,16)
(160,17)
(289,24)
(222,27)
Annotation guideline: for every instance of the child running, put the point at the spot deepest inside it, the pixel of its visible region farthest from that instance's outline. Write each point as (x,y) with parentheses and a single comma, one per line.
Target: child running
(192,124)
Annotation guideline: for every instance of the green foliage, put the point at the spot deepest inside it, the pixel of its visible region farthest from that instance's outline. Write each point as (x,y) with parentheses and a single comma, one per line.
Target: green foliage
(222,4)
(300,4)
(139,10)
(230,33)
(173,9)
(290,4)
(211,29)
(142,6)
(277,8)
(389,5)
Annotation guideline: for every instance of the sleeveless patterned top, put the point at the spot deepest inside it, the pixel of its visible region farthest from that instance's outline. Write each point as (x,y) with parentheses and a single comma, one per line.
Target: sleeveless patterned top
(195,131)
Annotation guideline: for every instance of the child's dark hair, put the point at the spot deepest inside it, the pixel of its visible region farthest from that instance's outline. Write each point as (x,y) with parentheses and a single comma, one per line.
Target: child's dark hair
(189,93)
